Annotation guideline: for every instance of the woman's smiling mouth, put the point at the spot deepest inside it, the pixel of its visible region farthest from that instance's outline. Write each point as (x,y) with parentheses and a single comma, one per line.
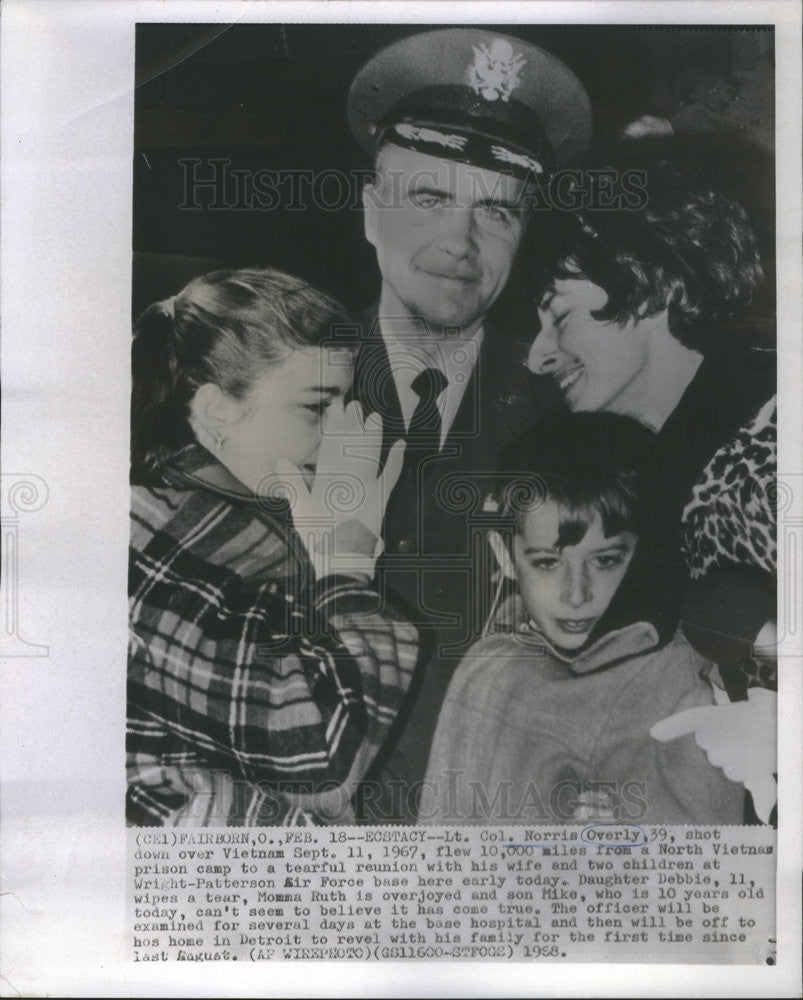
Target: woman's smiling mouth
(568,377)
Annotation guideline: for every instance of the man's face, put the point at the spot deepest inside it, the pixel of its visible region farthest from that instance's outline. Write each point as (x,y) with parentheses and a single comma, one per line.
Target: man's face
(445,235)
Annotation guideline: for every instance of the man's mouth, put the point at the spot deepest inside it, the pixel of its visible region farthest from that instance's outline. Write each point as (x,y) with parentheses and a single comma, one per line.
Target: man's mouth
(463,278)
(577,626)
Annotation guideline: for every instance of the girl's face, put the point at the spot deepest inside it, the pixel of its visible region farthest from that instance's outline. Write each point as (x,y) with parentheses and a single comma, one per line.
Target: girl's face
(597,364)
(566,591)
(281,415)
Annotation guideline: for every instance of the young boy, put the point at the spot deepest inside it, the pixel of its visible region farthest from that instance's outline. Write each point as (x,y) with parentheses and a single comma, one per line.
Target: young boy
(548,717)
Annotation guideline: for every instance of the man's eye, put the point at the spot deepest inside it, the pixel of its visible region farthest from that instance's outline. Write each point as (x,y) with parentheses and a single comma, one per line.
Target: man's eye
(497,213)
(609,561)
(422,200)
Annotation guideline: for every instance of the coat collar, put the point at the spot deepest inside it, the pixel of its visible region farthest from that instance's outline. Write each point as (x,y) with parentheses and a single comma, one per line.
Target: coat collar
(195,468)
(608,650)
(374,386)
(281,554)
(499,379)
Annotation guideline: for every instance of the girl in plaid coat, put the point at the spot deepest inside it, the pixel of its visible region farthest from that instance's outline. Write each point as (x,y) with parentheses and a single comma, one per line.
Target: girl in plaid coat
(264,669)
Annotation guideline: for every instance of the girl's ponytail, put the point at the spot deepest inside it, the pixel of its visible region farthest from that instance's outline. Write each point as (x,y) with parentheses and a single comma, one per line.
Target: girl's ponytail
(158,423)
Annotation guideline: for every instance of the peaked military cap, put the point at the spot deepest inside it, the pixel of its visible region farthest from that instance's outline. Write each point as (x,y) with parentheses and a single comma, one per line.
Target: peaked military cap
(474,96)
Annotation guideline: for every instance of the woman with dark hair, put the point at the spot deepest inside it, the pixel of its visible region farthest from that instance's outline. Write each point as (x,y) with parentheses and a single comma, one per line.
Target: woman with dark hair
(642,312)
(263,669)
(641,309)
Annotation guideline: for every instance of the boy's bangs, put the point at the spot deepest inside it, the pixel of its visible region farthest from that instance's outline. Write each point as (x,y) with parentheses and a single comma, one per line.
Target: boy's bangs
(617,512)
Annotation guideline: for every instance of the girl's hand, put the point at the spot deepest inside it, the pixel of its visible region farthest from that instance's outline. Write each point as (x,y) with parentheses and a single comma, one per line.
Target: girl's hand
(339,517)
(594,804)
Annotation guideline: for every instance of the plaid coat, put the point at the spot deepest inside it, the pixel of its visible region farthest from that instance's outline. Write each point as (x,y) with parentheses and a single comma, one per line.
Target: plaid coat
(244,672)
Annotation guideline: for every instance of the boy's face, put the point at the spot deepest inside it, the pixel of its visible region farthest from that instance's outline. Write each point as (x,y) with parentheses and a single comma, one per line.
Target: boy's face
(566,591)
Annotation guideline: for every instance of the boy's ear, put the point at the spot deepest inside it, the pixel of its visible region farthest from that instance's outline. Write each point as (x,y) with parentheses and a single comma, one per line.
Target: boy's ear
(500,551)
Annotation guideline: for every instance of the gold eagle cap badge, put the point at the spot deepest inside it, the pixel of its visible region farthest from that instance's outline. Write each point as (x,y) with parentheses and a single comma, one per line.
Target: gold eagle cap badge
(495,72)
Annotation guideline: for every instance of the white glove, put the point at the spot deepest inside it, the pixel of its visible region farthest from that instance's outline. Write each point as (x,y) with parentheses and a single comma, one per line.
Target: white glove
(594,804)
(648,125)
(339,517)
(739,738)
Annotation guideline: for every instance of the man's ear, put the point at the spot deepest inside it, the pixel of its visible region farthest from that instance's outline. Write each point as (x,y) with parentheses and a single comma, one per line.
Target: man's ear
(500,551)
(370,211)
(212,413)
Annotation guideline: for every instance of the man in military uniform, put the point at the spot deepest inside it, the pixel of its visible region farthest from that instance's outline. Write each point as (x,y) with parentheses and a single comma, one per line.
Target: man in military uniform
(461,124)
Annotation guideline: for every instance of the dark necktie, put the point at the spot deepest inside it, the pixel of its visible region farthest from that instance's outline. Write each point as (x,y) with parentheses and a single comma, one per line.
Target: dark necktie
(404,513)
(425,426)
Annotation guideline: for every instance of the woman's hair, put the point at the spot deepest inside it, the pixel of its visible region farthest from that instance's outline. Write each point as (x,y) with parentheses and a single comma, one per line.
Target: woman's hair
(586,463)
(223,328)
(683,244)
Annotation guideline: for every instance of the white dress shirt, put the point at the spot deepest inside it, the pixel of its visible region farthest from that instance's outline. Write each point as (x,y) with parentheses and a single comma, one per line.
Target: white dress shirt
(412,349)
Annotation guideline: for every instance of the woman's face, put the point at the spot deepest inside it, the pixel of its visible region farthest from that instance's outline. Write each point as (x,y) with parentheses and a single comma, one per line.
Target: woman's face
(281,415)
(597,364)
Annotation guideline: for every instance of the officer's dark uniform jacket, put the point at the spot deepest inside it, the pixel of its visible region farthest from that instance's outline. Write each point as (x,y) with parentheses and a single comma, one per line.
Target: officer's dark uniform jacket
(436,556)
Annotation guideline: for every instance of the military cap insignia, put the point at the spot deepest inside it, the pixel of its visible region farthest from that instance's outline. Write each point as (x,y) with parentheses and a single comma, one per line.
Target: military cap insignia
(416,132)
(456,92)
(495,71)
(508,156)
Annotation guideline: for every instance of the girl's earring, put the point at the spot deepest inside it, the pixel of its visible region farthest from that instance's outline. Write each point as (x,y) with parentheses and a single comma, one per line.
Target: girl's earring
(220,439)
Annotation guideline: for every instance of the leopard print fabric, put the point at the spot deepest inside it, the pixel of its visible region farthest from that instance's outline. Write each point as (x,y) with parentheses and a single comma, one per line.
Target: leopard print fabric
(730,519)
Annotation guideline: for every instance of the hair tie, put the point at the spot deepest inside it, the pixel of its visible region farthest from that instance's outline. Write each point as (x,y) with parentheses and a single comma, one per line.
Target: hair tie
(169,307)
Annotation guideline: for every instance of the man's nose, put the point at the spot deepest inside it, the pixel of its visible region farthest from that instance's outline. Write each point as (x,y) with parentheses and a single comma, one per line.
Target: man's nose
(460,232)
(543,357)
(576,587)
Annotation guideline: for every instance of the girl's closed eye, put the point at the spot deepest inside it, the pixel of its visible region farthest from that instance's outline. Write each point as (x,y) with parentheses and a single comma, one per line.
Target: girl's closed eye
(318,408)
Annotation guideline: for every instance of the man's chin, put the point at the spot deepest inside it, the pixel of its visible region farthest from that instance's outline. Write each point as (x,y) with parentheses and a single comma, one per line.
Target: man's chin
(444,314)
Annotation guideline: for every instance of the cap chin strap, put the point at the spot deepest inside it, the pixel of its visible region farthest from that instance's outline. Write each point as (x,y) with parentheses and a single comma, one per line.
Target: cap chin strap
(451,121)
(465,147)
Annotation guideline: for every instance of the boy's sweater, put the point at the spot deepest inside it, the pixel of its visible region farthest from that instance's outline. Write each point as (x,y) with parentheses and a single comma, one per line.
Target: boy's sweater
(526,730)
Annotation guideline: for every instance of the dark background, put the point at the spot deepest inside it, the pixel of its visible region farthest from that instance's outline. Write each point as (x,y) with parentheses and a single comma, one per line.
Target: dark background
(274,96)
